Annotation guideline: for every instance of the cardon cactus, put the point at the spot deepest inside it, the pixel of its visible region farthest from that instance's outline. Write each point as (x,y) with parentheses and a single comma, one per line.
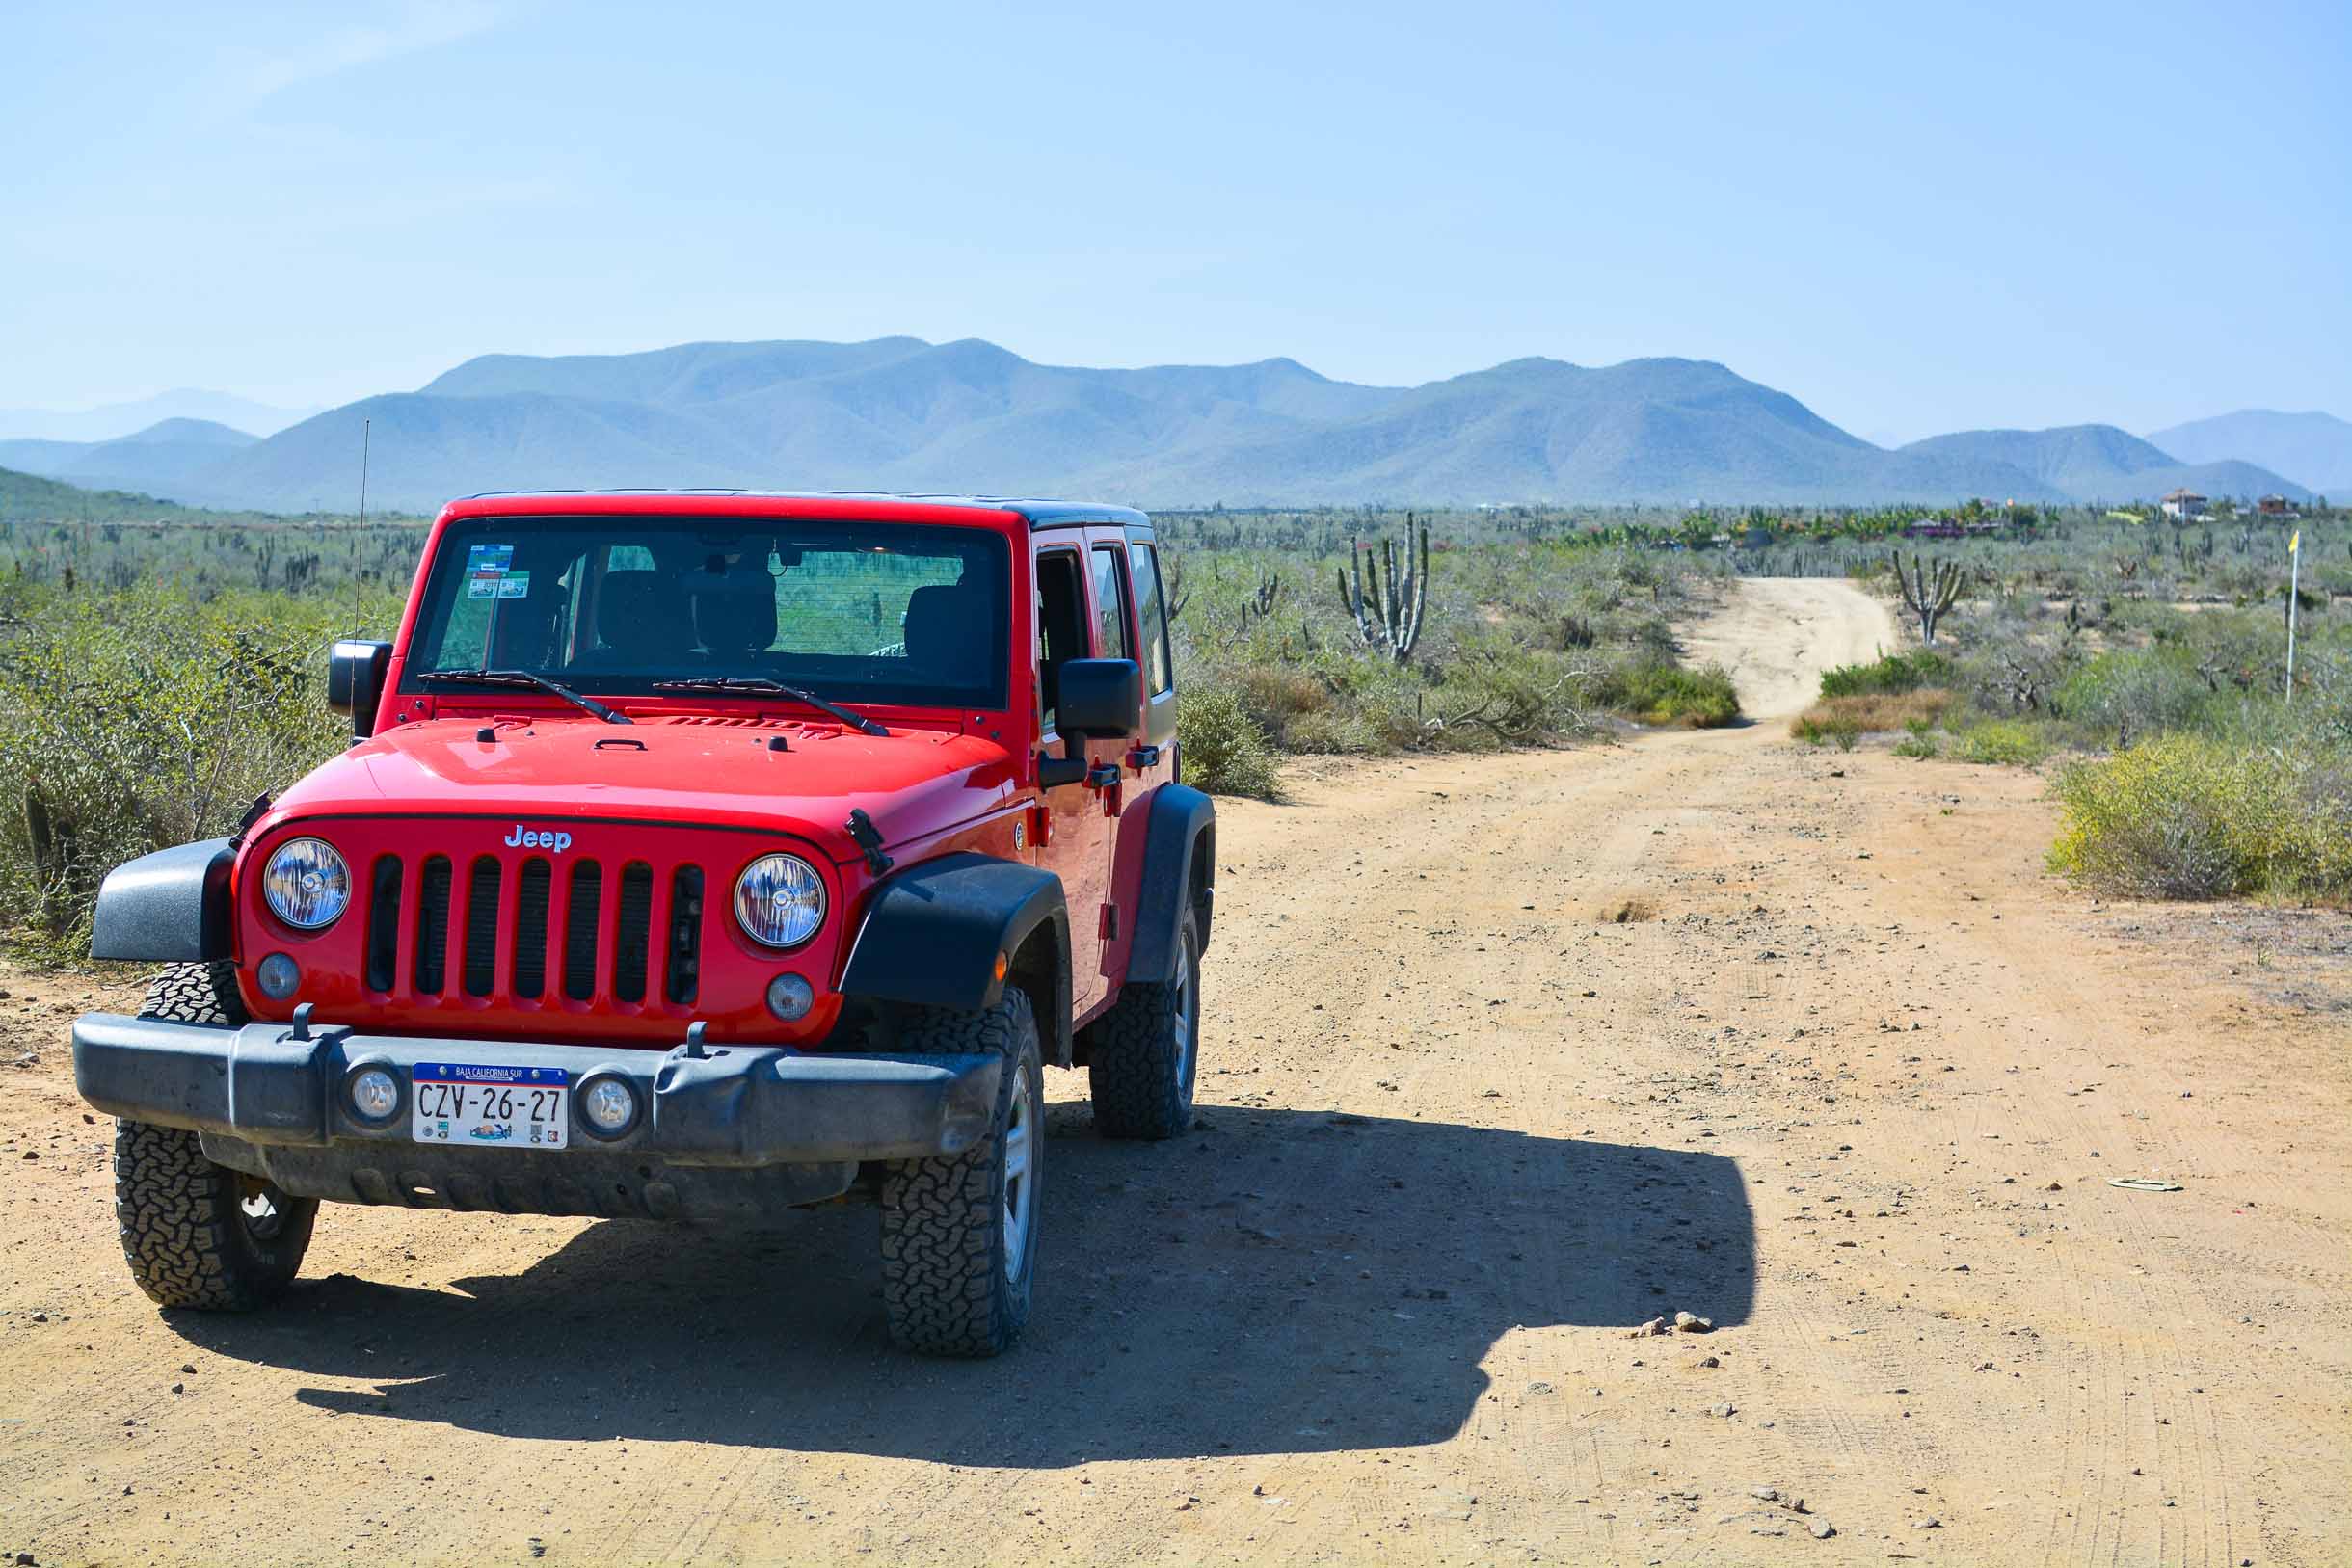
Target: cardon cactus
(1390,619)
(1928,591)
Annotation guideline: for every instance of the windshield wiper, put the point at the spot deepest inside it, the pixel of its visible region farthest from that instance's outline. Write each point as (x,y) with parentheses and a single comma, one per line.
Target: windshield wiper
(524,678)
(759,686)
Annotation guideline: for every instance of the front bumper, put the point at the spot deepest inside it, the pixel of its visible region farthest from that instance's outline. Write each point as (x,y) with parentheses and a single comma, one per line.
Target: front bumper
(736,1131)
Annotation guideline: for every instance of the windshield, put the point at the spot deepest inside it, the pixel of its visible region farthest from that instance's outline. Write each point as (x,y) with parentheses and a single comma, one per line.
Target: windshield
(856,612)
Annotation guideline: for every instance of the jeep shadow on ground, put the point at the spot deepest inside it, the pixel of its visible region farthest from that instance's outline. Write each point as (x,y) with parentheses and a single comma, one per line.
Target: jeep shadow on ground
(1274,1282)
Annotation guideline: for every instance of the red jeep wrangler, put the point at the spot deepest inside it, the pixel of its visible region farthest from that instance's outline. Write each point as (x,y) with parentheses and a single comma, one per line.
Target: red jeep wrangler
(699,855)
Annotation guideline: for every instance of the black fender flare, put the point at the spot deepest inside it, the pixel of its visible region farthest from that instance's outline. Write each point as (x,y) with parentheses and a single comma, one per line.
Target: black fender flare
(932,935)
(1183,823)
(170,906)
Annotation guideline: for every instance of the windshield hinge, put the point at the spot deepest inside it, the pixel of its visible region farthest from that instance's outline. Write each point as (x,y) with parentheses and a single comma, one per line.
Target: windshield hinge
(867,838)
(254,813)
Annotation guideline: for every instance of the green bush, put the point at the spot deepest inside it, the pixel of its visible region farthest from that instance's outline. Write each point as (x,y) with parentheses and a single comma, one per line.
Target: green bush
(2134,693)
(1919,741)
(2192,817)
(1279,699)
(2010,743)
(1497,691)
(133,721)
(1660,693)
(1892,676)
(1224,750)
(1827,726)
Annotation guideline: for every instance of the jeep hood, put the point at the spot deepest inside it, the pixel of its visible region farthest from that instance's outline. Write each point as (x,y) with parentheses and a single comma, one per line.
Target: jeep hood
(689,770)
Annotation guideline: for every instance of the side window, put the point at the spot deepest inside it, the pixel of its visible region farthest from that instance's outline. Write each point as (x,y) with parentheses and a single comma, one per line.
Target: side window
(1110,606)
(1151,615)
(1061,628)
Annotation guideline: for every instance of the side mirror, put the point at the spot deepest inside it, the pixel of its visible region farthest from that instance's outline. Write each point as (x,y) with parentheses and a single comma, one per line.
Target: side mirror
(1100,699)
(355,682)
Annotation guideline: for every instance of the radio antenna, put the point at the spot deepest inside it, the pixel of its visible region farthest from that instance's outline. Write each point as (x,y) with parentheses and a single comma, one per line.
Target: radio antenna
(360,538)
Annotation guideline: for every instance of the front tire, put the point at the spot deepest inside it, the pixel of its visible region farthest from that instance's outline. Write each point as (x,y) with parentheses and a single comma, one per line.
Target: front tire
(1145,1051)
(959,1232)
(196,1234)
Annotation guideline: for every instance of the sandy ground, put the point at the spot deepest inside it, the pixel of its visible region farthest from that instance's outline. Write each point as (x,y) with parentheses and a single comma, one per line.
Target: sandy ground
(1505,1055)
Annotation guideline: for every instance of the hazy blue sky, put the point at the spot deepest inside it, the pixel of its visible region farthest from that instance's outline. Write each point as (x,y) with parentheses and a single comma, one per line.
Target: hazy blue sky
(1914,218)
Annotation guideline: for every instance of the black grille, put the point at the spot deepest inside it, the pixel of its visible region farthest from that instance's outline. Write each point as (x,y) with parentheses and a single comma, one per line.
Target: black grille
(580,929)
(482,927)
(532,890)
(384,924)
(632,930)
(685,934)
(432,925)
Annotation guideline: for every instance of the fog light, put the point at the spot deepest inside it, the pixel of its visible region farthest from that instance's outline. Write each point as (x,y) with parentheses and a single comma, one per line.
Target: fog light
(608,1105)
(374,1094)
(280,976)
(789,997)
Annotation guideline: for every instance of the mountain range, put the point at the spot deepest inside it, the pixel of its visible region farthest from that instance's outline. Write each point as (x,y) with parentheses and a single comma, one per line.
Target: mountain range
(902,414)
(112,420)
(2316,448)
(166,456)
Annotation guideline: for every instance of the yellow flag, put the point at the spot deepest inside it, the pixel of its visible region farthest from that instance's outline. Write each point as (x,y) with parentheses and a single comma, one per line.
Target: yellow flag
(2295,544)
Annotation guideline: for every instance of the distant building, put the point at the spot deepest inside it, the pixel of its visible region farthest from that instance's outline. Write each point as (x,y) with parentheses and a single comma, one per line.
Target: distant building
(2184,504)
(2277,507)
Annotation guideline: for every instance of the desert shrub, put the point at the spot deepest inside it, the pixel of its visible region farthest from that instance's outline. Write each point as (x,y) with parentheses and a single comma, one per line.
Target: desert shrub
(1872,712)
(2010,743)
(1496,691)
(1918,741)
(1224,750)
(1891,674)
(1822,728)
(2195,816)
(133,721)
(1278,697)
(1660,693)
(2135,692)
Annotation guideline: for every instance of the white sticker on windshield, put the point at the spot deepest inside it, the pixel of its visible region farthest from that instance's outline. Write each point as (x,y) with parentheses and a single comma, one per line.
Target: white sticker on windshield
(510,585)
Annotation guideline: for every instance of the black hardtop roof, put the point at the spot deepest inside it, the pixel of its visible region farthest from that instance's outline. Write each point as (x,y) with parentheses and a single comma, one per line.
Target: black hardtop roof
(1039,512)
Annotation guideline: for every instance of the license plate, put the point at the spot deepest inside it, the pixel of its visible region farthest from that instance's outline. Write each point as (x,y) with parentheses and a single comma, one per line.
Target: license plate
(490,1107)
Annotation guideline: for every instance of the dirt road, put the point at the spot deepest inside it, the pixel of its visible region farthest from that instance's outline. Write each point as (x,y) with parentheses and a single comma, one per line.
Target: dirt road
(1505,1054)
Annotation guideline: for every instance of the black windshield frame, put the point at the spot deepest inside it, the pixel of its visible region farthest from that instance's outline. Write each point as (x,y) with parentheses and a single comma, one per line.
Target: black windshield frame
(543,552)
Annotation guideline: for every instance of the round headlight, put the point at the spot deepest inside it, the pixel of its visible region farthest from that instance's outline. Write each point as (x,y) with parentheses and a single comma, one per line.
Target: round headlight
(306,884)
(780,901)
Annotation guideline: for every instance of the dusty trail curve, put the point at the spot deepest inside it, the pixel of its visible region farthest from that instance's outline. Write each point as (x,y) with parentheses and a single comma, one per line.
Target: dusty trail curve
(1777,634)
(1505,1054)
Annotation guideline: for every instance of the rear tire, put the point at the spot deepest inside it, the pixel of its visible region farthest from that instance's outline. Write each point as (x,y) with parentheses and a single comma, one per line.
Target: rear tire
(959,1232)
(196,1234)
(1146,1052)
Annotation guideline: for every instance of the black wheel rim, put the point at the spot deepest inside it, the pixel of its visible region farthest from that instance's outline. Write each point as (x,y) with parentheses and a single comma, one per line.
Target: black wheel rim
(261,1208)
